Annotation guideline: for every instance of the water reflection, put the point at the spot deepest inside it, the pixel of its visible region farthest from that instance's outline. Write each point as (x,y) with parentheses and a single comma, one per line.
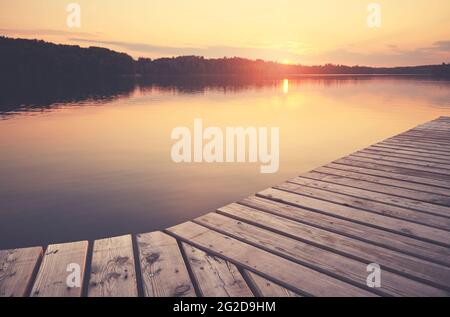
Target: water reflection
(94,160)
(22,98)
(285,86)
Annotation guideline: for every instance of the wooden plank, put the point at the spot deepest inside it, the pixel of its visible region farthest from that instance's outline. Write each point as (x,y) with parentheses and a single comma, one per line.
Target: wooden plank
(413,149)
(329,192)
(384,181)
(437,124)
(215,277)
(438,136)
(424,139)
(421,270)
(113,270)
(17,269)
(441,187)
(419,145)
(392,169)
(163,270)
(385,239)
(413,161)
(357,215)
(423,127)
(439,173)
(417,131)
(404,142)
(336,265)
(51,280)
(427,204)
(439,121)
(430,129)
(288,274)
(406,154)
(265,288)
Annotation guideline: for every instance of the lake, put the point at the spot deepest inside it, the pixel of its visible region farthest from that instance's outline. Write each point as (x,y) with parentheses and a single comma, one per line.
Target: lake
(81,165)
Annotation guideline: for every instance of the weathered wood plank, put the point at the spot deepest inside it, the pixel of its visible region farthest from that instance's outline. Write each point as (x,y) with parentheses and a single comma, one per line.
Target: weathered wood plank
(333,264)
(419,145)
(436,154)
(163,270)
(215,277)
(380,237)
(430,129)
(405,154)
(445,137)
(441,187)
(359,176)
(113,269)
(419,132)
(423,139)
(357,215)
(284,272)
(412,161)
(266,288)
(439,173)
(404,141)
(431,273)
(17,269)
(362,191)
(56,268)
(327,192)
(392,169)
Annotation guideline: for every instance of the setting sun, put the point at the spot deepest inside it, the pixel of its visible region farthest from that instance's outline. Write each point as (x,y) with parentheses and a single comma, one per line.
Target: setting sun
(307,32)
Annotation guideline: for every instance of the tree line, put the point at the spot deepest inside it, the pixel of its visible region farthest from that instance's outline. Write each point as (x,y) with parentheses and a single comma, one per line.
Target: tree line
(37,61)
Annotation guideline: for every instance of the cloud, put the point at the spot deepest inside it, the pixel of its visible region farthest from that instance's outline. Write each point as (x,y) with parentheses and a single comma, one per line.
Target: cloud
(442,46)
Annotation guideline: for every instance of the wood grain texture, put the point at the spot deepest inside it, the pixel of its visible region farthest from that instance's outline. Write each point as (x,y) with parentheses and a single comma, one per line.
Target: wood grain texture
(422,270)
(397,169)
(408,160)
(441,187)
(356,215)
(214,276)
(391,150)
(341,267)
(17,269)
(284,272)
(439,173)
(265,288)
(380,237)
(359,175)
(434,153)
(54,271)
(113,269)
(419,144)
(376,198)
(163,270)
(313,235)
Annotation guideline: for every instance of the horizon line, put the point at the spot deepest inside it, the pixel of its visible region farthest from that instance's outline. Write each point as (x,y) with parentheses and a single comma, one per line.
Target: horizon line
(224,57)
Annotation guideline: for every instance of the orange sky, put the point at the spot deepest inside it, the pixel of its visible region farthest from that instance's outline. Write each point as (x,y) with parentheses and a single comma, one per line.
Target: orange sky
(292,31)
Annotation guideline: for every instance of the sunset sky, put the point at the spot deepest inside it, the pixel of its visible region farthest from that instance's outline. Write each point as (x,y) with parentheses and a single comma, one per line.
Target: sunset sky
(291,31)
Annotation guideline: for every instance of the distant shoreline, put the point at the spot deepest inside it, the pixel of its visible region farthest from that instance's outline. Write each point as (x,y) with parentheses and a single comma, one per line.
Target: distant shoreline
(39,61)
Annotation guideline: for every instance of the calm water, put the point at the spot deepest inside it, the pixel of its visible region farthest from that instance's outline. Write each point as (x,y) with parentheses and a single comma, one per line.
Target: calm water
(85,165)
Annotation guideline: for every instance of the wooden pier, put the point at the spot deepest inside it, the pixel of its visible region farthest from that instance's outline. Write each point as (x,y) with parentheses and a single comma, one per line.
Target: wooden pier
(314,235)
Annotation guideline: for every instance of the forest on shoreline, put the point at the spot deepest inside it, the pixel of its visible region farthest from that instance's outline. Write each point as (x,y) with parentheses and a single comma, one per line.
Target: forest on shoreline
(37,61)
